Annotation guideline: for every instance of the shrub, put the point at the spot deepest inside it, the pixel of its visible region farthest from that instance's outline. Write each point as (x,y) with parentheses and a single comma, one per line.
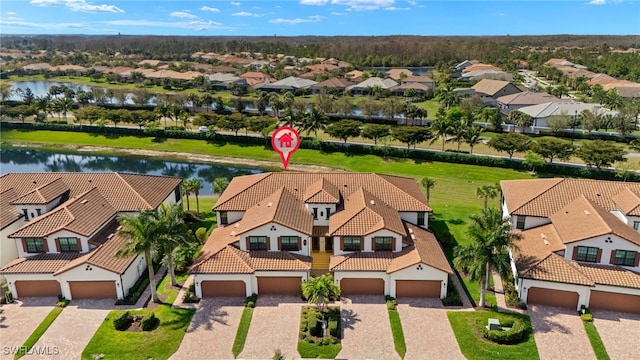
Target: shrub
(123,321)
(453,296)
(514,335)
(150,322)
(250,301)
(312,323)
(62,303)
(392,304)
(586,317)
(511,294)
(250,304)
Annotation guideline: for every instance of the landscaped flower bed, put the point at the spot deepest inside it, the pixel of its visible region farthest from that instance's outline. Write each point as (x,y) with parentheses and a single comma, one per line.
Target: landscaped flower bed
(318,338)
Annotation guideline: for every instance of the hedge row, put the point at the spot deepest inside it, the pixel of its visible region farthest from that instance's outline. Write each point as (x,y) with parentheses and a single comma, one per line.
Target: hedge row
(514,335)
(419,155)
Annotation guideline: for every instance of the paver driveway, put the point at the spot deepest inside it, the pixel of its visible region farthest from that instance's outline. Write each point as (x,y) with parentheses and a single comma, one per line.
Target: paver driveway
(19,319)
(427,331)
(71,331)
(212,330)
(559,333)
(616,331)
(275,325)
(366,329)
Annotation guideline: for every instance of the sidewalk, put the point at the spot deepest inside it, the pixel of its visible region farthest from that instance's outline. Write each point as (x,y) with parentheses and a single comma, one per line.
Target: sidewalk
(146,294)
(499,292)
(179,302)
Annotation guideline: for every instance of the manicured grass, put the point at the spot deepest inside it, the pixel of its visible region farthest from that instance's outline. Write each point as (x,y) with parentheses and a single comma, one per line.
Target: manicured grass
(243,330)
(311,351)
(474,290)
(38,332)
(398,334)
(596,341)
(473,346)
(206,204)
(160,343)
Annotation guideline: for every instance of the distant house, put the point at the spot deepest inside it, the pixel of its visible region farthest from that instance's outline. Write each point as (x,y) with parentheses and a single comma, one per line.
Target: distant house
(333,85)
(480,66)
(255,79)
(398,74)
(363,87)
(37,67)
(625,88)
(489,90)
(458,68)
(221,81)
(477,75)
(601,79)
(541,113)
(151,63)
(508,103)
(291,83)
(354,76)
(423,80)
(399,90)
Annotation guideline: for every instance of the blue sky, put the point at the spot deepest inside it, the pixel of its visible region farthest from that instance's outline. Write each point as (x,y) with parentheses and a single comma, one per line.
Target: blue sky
(320,17)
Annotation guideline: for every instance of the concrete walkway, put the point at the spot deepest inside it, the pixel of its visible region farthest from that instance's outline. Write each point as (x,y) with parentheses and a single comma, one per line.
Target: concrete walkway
(19,319)
(427,331)
(71,331)
(501,301)
(275,325)
(559,333)
(366,329)
(212,330)
(617,333)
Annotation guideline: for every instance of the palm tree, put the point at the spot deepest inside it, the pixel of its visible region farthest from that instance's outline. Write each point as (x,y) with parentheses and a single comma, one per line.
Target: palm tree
(441,127)
(164,110)
(196,186)
(428,183)
(174,233)
(187,189)
(487,192)
(315,120)
(472,137)
(220,185)
(491,238)
(320,290)
(141,232)
(276,104)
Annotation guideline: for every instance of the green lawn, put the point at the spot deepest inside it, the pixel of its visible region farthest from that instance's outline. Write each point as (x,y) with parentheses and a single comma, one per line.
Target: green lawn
(474,347)
(398,334)
(243,330)
(209,216)
(596,341)
(307,350)
(39,331)
(160,343)
(474,290)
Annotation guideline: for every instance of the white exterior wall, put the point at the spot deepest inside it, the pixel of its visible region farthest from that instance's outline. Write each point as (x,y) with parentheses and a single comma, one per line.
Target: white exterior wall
(232,216)
(12,278)
(84,241)
(368,242)
(265,230)
(621,216)
(171,199)
(339,275)
(8,248)
(80,273)
(583,291)
(198,278)
(532,221)
(412,217)
(616,289)
(412,273)
(32,210)
(322,213)
(616,243)
(137,268)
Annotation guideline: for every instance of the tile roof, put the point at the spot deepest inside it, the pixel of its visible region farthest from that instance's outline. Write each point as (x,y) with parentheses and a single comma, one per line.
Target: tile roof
(82,215)
(364,214)
(527,98)
(403,194)
(628,202)
(489,86)
(332,83)
(374,81)
(536,244)
(479,67)
(581,219)
(362,261)
(543,197)
(396,74)
(43,194)
(282,208)
(418,79)
(555,268)
(322,192)
(8,213)
(609,274)
(40,264)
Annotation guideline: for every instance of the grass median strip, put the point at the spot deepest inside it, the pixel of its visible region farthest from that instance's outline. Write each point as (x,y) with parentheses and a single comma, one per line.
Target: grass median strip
(398,334)
(38,332)
(596,341)
(243,330)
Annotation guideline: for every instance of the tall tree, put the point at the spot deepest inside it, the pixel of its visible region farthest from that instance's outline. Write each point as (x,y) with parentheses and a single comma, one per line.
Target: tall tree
(510,143)
(220,185)
(472,137)
(314,120)
(441,128)
(552,148)
(486,192)
(428,183)
(344,129)
(174,233)
(320,290)
(600,153)
(375,132)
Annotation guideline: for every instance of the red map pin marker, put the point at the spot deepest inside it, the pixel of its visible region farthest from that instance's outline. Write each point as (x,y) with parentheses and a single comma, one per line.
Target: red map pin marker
(285,141)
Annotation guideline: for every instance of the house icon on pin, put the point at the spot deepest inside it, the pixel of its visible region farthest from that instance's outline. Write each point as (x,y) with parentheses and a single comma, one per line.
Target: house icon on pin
(285,140)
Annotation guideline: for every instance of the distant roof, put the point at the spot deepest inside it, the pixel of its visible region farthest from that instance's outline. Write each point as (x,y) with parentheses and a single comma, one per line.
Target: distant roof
(527,98)
(396,74)
(332,83)
(374,81)
(292,82)
(490,86)
(548,109)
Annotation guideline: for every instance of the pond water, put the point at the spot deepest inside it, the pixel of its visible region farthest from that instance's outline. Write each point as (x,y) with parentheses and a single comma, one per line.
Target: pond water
(27,160)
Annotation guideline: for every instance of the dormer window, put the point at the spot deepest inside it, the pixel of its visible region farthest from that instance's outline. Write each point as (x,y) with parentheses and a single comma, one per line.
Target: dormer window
(68,244)
(224,218)
(351,243)
(257,243)
(587,254)
(34,245)
(383,243)
(625,258)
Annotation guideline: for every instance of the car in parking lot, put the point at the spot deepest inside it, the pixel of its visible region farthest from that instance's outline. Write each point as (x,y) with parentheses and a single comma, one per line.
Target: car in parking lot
(203,129)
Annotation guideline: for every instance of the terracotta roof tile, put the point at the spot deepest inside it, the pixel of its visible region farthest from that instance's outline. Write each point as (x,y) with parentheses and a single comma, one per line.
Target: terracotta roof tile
(555,268)
(44,194)
(322,192)
(362,261)
(278,261)
(8,213)
(426,250)
(363,214)
(489,86)
(628,202)
(536,244)
(41,263)
(609,275)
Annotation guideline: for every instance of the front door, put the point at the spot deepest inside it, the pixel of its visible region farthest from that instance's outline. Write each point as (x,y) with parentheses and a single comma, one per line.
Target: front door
(315,244)
(328,244)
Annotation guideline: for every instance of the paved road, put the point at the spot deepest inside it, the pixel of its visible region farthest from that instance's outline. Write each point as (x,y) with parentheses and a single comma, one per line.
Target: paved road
(19,319)
(212,330)
(73,329)
(366,329)
(559,333)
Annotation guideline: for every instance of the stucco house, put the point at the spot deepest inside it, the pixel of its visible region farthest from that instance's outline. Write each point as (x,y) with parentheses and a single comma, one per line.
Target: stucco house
(542,113)
(489,90)
(363,87)
(277,229)
(508,103)
(60,229)
(580,242)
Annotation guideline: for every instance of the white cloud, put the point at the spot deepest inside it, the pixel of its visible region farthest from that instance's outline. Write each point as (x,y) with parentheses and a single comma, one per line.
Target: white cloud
(597,2)
(314,2)
(11,13)
(197,25)
(501,14)
(44,26)
(78,5)
(393,8)
(246,14)
(338,13)
(309,19)
(207,8)
(364,4)
(183,15)
(412,3)
(235,3)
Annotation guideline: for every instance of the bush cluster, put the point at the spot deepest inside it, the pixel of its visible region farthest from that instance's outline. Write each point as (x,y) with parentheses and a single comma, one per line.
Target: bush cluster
(453,296)
(511,294)
(122,322)
(150,322)
(392,303)
(135,291)
(250,301)
(310,326)
(514,335)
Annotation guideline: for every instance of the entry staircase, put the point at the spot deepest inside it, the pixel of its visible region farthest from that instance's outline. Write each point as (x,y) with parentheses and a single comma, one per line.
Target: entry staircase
(320,264)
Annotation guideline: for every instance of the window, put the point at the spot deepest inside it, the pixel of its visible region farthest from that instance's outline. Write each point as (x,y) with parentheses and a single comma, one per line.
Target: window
(224,220)
(35,245)
(383,243)
(257,243)
(520,222)
(626,258)
(177,194)
(420,219)
(587,253)
(328,212)
(351,243)
(315,213)
(289,243)
(68,244)
(636,225)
